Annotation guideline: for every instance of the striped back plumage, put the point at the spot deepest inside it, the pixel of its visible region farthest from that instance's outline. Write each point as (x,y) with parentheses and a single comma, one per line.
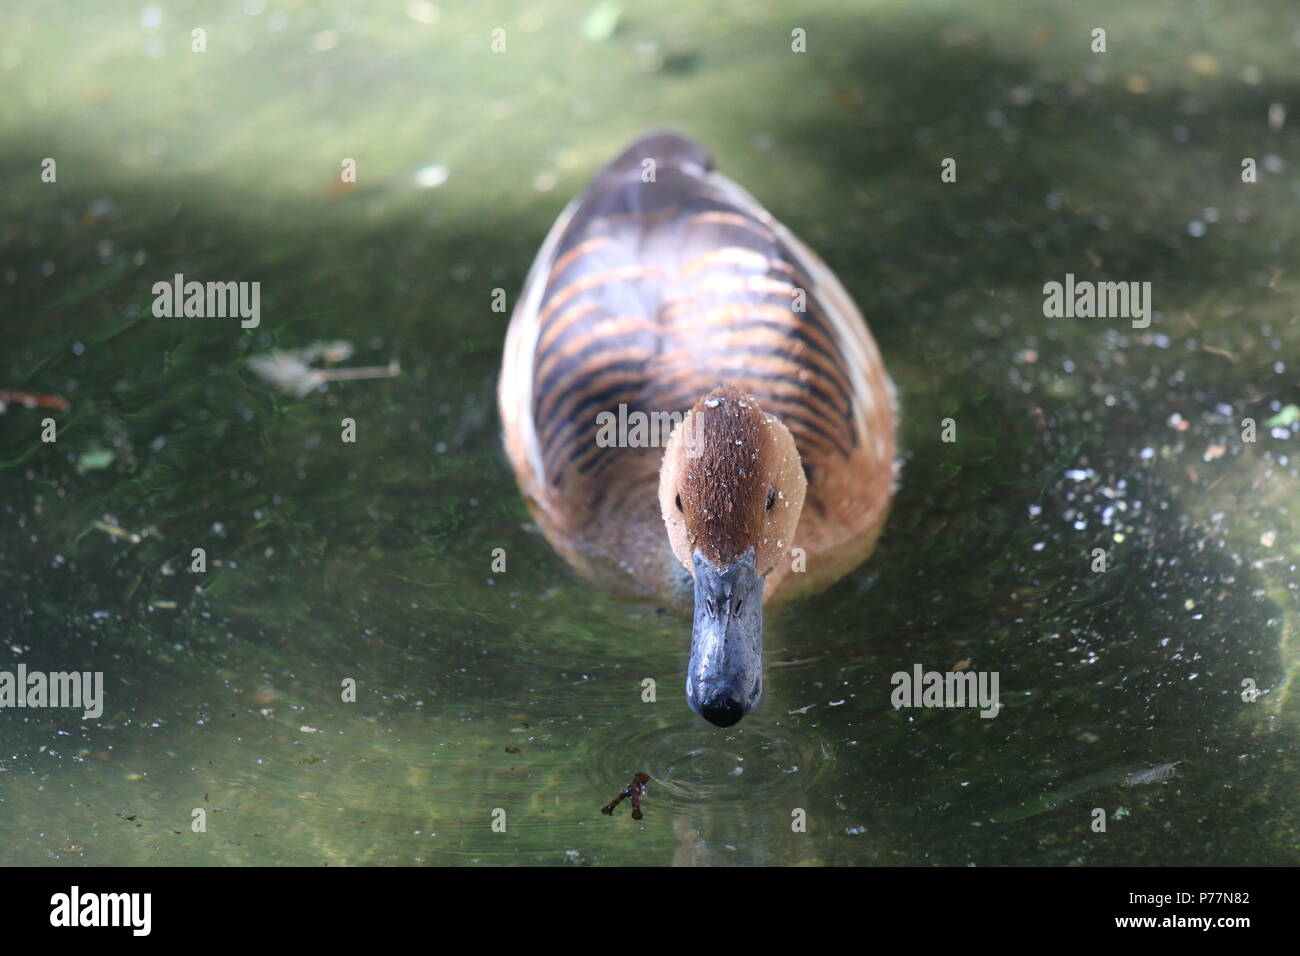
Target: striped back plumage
(659,290)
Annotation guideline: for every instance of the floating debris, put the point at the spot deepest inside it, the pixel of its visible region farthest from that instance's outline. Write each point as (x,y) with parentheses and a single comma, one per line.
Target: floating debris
(1276,117)
(1156,774)
(1287,417)
(31,400)
(290,371)
(95,460)
(1222,353)
(110,526)
(431,177)
(633,790)
(602,21)
(1137,777)
(421,11)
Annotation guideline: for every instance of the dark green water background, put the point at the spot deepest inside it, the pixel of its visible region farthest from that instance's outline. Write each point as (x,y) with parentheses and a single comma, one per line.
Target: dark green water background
(522,690)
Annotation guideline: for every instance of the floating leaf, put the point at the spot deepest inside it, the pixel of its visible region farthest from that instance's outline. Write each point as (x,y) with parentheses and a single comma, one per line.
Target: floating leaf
(96,460)
(1285,418)
(602,21)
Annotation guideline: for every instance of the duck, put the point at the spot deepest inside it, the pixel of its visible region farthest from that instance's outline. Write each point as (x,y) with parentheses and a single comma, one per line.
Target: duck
(665,294)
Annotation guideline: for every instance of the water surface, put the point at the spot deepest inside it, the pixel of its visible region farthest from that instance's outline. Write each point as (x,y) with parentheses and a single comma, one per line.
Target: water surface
(521,690)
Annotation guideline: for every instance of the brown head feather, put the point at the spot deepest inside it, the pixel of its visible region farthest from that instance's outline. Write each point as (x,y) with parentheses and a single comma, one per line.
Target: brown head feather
(731,479)
(724,490)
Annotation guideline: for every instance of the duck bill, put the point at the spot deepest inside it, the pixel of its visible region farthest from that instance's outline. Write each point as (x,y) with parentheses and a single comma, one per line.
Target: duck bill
(725,677)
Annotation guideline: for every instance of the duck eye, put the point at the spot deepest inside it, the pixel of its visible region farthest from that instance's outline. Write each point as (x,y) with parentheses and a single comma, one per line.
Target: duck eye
(771,498)
(679,502)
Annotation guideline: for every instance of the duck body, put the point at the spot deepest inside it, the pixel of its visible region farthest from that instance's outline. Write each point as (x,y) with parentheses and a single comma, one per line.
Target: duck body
(666,294)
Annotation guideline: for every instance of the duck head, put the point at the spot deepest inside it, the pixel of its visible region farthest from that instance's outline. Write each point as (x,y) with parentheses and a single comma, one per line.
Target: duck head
(731,489)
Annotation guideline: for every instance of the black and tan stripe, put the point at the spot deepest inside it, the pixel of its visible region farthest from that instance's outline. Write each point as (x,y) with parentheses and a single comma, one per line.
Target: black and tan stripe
(657,292)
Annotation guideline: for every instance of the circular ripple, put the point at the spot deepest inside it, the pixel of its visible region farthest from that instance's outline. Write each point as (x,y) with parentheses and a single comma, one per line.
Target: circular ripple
(700,762)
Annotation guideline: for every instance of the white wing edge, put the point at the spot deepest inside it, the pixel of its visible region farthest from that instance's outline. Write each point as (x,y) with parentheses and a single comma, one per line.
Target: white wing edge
(515,394)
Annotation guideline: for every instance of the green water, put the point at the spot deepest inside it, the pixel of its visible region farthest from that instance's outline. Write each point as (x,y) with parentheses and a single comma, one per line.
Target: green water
(520,691)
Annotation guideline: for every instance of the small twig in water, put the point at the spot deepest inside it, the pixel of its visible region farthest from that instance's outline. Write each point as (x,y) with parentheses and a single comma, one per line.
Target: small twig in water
(633,790)
(289,371)
(32,400)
